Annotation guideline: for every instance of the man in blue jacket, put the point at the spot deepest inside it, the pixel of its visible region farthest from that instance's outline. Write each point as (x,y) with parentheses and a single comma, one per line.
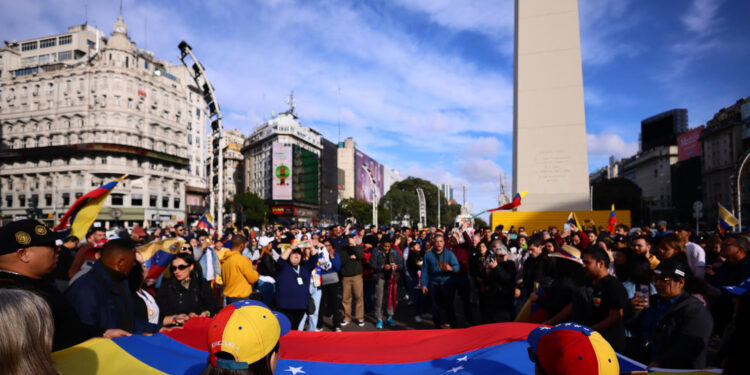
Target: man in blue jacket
(437,268)
(101,297)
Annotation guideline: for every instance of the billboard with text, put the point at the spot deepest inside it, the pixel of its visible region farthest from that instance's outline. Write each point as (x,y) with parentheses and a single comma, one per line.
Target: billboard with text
(688,144)
(281,178)
(362,183)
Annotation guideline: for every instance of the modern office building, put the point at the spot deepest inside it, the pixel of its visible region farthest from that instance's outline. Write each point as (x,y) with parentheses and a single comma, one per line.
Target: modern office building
(663,129)
(354,181)
(282,164)
(447,191)
(81,108)
(652,172)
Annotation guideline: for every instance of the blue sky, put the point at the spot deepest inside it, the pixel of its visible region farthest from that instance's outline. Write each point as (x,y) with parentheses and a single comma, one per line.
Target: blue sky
(426,85)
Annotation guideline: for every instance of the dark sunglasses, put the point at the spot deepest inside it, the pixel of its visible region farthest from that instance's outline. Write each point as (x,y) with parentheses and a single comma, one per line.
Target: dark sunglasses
(181,267)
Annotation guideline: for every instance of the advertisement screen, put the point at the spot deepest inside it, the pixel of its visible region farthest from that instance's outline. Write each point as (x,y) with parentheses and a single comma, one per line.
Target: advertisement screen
(689,145)
(362,183)
(282,172)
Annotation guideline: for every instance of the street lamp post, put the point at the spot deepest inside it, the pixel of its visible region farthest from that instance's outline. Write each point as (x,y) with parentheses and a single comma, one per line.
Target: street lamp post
(217,131)
(739,189)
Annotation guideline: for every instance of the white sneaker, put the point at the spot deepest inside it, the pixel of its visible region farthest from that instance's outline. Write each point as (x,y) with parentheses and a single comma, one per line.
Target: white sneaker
(418,319)
(344,323)
(338,329)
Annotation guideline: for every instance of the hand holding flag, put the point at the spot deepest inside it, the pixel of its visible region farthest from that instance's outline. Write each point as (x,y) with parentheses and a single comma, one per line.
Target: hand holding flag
(612,220)
(85,209)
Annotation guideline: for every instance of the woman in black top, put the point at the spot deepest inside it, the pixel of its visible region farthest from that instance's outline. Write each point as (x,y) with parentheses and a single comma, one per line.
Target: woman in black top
(185,292)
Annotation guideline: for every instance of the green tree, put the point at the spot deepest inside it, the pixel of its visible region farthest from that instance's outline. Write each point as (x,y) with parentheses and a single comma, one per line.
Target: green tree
(479,223)
(252,207)
(402,197)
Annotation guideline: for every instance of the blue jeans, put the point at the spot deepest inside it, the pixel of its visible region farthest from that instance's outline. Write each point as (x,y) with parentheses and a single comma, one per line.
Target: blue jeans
(268,290)
(312,320)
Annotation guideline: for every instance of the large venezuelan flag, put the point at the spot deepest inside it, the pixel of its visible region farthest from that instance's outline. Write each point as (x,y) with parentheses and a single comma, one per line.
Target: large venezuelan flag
(489,349)
(85,209)
(158,254)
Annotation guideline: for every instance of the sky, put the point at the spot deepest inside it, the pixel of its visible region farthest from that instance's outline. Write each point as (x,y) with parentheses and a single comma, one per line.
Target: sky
(426,86)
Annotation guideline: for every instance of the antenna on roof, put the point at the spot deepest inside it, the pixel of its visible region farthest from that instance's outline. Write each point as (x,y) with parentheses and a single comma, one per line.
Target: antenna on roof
(120,8)
(85,12)
(145,32)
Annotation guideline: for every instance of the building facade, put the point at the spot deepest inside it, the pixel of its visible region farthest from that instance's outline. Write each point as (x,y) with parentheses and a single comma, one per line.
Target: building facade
(663,129)
(306,147)
(724,142)
(447,191)
(652,172)
(78,110)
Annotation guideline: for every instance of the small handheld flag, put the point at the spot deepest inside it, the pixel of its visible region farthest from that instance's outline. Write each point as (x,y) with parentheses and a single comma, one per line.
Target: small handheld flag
(515,203)
(85,209)
(573,221)
(157,255)
(206,221)
(726,219)
(612,220)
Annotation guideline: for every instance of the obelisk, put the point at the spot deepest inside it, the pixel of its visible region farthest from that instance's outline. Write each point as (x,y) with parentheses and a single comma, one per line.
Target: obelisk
(549,122)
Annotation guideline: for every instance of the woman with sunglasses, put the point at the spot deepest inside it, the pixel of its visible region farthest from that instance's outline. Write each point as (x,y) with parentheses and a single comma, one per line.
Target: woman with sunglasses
(185,292)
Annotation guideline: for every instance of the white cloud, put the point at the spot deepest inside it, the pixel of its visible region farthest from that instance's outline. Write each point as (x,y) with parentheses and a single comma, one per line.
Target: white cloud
(701,16)
(488,147)
(607,144)
(603,23)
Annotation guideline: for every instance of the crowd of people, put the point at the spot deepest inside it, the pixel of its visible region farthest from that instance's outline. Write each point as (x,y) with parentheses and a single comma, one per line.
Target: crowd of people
(667,297)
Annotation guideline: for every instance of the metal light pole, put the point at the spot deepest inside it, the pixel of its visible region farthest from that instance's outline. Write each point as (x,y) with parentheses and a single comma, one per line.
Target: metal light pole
(438,224)
(739,189)
(217,131)
(373,188)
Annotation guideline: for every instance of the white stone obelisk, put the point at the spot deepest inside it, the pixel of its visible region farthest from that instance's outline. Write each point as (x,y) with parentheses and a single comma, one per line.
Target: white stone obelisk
(549,122)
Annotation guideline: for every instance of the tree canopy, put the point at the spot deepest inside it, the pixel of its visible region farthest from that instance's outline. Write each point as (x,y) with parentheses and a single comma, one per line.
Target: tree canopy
(252,207)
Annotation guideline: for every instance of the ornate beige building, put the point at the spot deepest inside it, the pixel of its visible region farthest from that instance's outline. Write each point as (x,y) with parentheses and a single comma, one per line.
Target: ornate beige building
(79,109)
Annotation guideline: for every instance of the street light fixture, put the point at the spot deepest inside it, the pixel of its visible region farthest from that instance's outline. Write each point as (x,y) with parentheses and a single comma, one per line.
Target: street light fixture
(216,131)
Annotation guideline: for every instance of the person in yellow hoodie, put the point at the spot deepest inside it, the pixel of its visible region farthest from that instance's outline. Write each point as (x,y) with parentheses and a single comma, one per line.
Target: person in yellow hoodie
(237,271)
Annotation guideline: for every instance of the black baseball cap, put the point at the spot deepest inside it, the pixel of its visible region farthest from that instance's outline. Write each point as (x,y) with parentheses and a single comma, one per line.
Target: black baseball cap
(28,233)
(673,268)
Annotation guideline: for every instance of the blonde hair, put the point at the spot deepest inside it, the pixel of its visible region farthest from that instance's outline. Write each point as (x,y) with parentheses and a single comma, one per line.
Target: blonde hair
(26,329)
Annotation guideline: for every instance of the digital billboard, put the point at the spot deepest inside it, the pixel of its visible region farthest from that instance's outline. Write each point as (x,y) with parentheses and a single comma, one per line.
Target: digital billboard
(281,175)
(689,144)
(362,184)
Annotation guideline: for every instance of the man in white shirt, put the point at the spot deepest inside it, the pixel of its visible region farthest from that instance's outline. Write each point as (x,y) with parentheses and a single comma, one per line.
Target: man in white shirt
(695,254)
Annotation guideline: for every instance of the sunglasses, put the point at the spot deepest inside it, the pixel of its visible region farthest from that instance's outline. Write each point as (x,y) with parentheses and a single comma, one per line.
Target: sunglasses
(181,267)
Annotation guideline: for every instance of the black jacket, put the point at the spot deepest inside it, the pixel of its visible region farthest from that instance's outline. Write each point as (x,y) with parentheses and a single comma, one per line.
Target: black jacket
(351,267)
(69,330)
(681,335)
(501,284)
(173,298)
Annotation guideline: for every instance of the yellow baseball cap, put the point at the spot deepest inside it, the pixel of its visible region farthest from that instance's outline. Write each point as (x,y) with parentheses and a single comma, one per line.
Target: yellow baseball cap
(247,331)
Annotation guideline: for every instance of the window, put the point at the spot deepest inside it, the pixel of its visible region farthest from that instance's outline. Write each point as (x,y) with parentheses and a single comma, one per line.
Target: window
(117,199)
(145,64)
(136,200)
(152,201)
(165,202)
(177,203)
(48,200)
(28,46)
(78,195)
(22,200)
(66,39)
(31,60)
(44,43)
(66,199)
(8,201)
(64,55)
(127,62)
